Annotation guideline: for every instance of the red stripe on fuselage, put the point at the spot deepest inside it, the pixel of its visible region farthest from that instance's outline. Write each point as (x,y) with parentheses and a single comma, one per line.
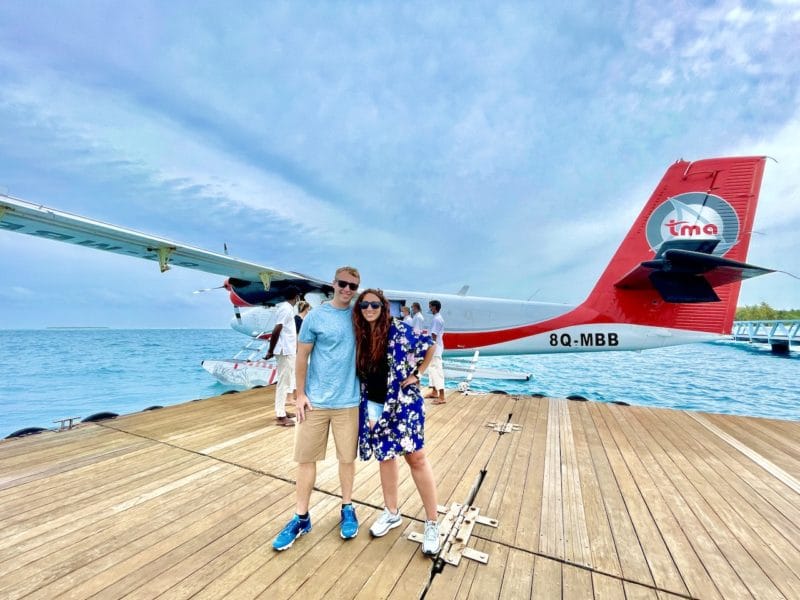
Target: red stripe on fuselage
(458,340)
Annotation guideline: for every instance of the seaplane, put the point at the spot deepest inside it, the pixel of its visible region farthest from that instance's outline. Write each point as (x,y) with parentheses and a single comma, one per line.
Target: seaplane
(674,279)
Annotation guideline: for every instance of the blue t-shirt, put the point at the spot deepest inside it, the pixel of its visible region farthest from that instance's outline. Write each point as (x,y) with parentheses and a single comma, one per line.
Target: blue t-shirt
(331,380)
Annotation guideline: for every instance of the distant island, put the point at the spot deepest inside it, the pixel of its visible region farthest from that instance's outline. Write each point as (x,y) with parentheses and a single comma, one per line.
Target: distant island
(74,327)
(764,312)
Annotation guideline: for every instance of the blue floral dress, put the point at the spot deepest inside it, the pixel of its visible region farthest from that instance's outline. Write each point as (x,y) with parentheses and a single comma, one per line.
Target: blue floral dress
(400,430)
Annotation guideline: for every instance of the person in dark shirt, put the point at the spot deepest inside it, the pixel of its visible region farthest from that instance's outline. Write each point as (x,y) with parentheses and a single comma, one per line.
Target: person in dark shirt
(302,310)
(390,357)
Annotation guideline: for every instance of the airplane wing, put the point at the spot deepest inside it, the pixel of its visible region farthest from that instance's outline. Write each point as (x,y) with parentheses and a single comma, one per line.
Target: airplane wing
(40,221)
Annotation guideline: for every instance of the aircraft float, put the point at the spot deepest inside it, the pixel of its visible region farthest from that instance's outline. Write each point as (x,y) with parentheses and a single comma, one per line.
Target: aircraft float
(675,278)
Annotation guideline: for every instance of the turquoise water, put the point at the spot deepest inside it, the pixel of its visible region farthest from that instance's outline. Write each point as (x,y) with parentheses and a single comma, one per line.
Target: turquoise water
(51,374)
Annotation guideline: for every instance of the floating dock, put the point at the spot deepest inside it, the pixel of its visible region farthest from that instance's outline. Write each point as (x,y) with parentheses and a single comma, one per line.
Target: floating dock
(781,335)
(547,498)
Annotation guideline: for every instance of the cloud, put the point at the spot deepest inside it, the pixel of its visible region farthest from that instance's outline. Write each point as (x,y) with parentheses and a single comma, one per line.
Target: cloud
(513,157)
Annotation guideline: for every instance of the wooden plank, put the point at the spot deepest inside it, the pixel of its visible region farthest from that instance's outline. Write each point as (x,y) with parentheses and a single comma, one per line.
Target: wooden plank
(471,579)
(756,563)
(576,536)
(547,579)
(661,564)
(186,503)
(668,458)
(401,555)
(705,504)
(256,571)
(632,560)
(417,574)
(374,554)
(667,506)
(576,582)
(84,549)
(86,514)
(517,579)
(607,588)
(134,556)
(505,495)
(778,440)
(46,540)
(777,523)
(528,532)
(98,478)
(551,534)
(755,453)
(603,552)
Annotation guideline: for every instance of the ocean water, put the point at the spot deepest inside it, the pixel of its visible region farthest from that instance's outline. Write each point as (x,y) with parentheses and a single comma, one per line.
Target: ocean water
(52,374)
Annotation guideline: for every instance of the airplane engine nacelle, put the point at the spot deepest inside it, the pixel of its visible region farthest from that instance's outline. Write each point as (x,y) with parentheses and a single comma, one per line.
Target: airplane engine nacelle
(254,321)
(251,293)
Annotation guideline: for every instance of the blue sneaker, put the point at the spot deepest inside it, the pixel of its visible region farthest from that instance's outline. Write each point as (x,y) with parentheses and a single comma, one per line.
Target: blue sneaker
(293,530)
(349,524)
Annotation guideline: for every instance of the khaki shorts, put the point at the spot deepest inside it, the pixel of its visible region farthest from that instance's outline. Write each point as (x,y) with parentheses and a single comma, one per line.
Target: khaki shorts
(311,435)
(436,373)
(285,384)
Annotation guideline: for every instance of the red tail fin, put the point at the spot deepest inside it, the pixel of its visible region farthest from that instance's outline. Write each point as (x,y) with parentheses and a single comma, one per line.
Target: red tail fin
(700,212)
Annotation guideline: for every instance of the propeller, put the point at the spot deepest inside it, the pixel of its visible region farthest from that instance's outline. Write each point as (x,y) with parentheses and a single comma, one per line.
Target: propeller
(219,287)
(236,312)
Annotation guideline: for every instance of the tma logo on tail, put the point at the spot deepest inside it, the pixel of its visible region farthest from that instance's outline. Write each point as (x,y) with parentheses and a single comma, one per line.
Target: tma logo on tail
(694,215)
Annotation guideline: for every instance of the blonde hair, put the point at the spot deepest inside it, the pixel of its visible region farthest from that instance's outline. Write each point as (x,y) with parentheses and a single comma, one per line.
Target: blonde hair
(302,306)
(351,270)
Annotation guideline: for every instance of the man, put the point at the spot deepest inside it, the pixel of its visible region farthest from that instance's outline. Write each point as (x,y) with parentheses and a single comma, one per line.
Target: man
(328,394)
(283,346)
(436,369)
(418,320)
(405,314)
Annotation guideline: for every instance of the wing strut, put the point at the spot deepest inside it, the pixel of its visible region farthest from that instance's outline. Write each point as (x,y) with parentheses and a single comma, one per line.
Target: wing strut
(163,256)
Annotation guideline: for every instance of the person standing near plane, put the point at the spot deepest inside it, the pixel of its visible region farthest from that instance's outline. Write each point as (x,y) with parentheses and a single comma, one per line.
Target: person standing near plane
(283,346)
(302,310)
(328,394)
(405,313)
(418,319)
(436,370)
(390,358)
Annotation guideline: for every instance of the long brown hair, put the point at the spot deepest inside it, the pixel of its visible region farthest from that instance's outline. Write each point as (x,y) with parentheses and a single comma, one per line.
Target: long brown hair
(371,342)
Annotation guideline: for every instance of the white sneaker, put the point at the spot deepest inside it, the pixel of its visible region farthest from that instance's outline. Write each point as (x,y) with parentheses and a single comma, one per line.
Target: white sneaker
(430,541)
(388,520)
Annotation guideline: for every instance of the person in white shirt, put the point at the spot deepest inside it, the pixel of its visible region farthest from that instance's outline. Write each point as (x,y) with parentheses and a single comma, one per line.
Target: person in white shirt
(436,369)
(283,346)
(405,313)
(418,319)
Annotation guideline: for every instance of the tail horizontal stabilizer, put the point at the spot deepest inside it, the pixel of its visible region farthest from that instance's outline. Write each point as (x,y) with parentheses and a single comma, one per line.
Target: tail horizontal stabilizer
(688,276)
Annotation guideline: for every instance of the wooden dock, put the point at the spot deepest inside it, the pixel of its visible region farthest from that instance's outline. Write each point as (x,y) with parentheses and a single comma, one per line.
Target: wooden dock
(591,500)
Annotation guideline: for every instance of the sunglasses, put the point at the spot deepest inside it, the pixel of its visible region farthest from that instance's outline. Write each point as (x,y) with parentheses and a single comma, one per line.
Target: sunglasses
(345,284)
(363,305)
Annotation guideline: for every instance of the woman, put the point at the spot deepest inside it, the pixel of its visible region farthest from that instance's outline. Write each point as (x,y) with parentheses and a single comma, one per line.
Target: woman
(390,359)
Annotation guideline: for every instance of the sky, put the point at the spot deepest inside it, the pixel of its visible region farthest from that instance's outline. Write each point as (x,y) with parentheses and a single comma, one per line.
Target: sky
(507,146)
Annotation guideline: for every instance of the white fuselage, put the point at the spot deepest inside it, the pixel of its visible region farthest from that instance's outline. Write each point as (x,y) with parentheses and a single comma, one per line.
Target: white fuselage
(488,319)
